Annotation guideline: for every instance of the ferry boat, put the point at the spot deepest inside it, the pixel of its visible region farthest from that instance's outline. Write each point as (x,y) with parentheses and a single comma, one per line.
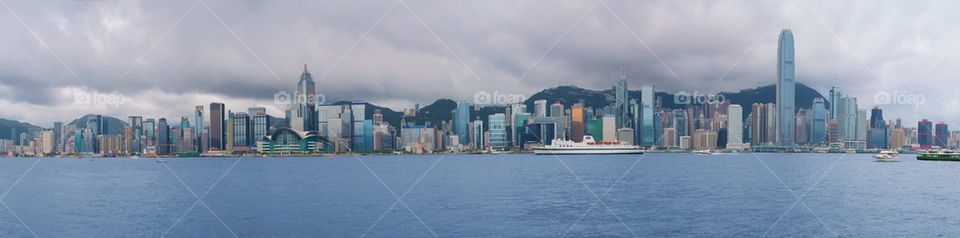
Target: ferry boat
(939,155)
(887,156)
(587,147)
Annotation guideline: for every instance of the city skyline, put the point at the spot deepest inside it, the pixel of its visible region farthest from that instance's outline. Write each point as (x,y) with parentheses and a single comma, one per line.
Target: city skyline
(232,63)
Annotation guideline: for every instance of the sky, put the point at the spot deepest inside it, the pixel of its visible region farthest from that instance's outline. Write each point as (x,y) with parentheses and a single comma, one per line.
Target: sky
(60,60)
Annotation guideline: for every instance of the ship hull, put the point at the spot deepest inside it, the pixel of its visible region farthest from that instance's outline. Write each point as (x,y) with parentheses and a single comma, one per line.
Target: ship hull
(587,151)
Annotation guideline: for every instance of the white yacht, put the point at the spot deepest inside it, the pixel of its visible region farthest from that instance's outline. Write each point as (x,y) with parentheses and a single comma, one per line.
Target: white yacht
(587,147)
(887,156)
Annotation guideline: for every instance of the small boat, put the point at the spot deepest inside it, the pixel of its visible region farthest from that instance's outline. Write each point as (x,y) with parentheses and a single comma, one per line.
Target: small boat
(161,160)
(702,152)
(887,156)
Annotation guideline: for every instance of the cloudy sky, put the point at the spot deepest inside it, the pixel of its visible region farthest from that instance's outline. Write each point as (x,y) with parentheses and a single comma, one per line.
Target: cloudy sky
(160,58)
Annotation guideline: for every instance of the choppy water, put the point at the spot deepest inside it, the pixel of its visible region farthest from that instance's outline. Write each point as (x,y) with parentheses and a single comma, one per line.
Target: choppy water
(676,195)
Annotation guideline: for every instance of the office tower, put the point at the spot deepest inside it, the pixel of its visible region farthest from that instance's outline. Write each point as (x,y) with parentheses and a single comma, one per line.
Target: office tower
(540,108)
(303,109)
(625,136)
(228,141)
(862,125)
(576,122)
(878,134)
(735,127)
(242,132)
(498,131)
(57,136)
(925,134)
(198,127)
(461,121)
(261,127)
(150,132)
(898,138)
(477,134)
(358,114)
(847,116)
(760,122)
(670,137)
(786,90)
(802,131)
(519,127)
(835,96)
(217,127)
(648,134)
(163,137)
(818,122)
(609,128)
(621,101)
(556,110)
(942,135)
(136,128)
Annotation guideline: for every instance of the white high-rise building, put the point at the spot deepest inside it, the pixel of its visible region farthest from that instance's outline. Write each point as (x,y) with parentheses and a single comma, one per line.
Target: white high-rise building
(609,128)
(540,108)
(735,127)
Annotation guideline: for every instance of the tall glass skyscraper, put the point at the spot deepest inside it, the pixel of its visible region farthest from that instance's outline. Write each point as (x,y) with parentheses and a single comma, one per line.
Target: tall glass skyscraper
(786,90)
(461,121)
(818,122)
(647,133)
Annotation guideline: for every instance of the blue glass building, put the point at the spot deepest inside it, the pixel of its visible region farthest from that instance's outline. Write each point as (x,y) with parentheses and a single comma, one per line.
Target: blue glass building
(818,122)
(786,90)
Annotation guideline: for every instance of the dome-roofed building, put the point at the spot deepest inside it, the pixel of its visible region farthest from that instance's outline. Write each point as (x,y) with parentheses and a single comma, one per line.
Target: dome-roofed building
(287,140)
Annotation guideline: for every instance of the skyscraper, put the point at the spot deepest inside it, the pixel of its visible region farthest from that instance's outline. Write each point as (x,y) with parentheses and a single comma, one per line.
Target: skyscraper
(303,108)
(835,96)
(621,97)
(217,126)
(942,135)
(786,90)
(163,137)
(498,131)
(540,108)
(648,134)
(461,122)
(735,127)
(576,122)
(818,122)
(878,134)
(198,127)
(925,134)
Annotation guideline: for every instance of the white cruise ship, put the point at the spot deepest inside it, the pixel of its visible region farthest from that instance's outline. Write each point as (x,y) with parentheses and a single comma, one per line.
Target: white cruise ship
(587,147)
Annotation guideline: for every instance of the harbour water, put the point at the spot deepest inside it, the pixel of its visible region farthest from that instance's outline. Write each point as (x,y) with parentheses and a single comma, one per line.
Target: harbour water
(651,195)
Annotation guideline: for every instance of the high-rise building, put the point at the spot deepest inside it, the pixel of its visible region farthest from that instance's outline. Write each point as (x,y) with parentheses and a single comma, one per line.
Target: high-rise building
(461,121)
(303,109)
(735,127)
(163,137)
(621,99)
(609,128)
(835,96)
(847,116)
(762,123)
(925,134)
(198,127)
(477,134)
(648,134)
(57,136)
(540,108)
(261,127)
(878,134)
(818,122)
(576,122)
(242,132)
(942,135)
(218,129)
(786,90)
(498,131)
